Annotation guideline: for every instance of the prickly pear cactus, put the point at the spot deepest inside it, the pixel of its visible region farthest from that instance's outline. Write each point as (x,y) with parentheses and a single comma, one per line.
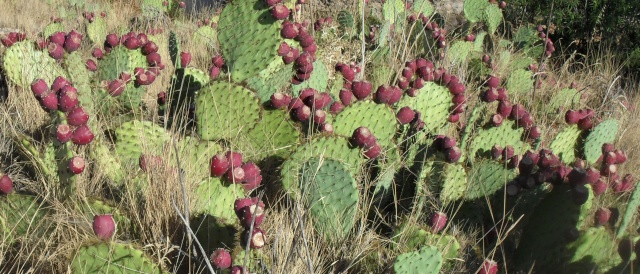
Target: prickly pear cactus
(345,19)
(565,98)
(51,29)
(594,249)
(111,257)
(416,237)
(520,82)
(274,135)
(332,195)
(486,178)
(137,137)
(378,118)
(249,37)
(604,132)
(505,134)
(318,81)
(629,213)
(474,10)
(453,179)
(97,31)
(206,36)
(459,51)
(268,81)
(224,110)
(213,233)
(22,216)
(434,102)
(216,198)
(391,9)
(565,144)
(493,17)
(423,6)
(427,260)
(23,64)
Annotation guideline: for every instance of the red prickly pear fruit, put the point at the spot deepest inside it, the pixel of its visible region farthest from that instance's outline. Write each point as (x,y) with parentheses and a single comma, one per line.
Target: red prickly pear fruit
(489,267)
(68,99)
(77,117)
(508,152)
(283,49)
(254,209)
(7,41)
(116,87)
(112,40)
(496,120)
(347,97)
(76,165)
(251,184)
(39,87)
(257,238)
(336,108)
(251,170)
(49,101)
(304,59)
(305,39)
(319,116)
(585,123)
(151,76)
(289,30)
(602,216)
(454,118)
(306,93)
(132,43)
(235,175)
(448,142)
(72,41)
(470,38)
(234,158)
(214,72)
(502,4)
(593,175)
(526,121)
(418,83)
(82,135)
(301,77)
(517,112)
(490,95)
(55,51)
(396,95)
(384,94)
(302,113)
(241,203)
(63,133)
(295,104)
(535,132)
(457,88)
(104,226)
(6,184)
(486,58)
(142,79)
(327,128)
(221,258)
(238,269)
(609,158)
(621,156)
(438,222)
(361,89)
(125,77)
(185,59)
(411,65)
(407,72)
(311,49)
(305,69)
(142,38)
(362,137)
(373,151)
(502,94)
(348,73)
(504,108)
(496,152)
(154,59)
(607,147)
(459,99)
(57,38)
(572,117)
(91,65)
(453,154)
(149,48)
(493,82)
(272,3)
(405,115)
(280,100)
(149,162)
(280,12)
(182,5)
(59,83)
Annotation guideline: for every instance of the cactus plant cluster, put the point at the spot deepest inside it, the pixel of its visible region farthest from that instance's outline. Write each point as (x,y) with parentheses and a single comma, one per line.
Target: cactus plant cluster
(269,120)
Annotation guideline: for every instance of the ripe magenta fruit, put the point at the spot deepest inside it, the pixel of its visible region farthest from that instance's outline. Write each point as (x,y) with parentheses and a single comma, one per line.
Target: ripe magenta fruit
(221,258)
(63,133)
(104,226)
(68,98)
(219,165)
(489,267)
(280,100)
(39,87)
(361,89)
(149,47)
(249,211)
(280,12)
(373,151)
(77,117)
(76,165)
(6,184)
(362,137)
(257,238)
(405,115)
(82,135)
(438,222)
(132,43)
(185,59)
(72,41)
(602,216)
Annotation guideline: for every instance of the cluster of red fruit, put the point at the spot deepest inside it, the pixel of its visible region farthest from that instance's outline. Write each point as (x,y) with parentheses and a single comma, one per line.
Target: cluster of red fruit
(582,117)
(320,23)
(91,16)
(12,37)
(59,42)
(438,34)
(278,10)
(548,43)
(449,146)
(230,167)
(310,105)
(218,64)
(363,138)
(206,22)
(133,41)
(303,62)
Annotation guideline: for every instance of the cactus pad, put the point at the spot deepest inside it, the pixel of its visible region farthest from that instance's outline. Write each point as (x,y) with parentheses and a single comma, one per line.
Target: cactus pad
(493,17)
(604,132)
(215,198)
(565,144)
(434,102)
(318,81)
(23,216)
(520,82)
(427,260)
(23,64)
(51,29)
(332,195)
(112,258)
(565,98)
(423,6)
(97,31)
(458,51)
(249,37)
(378,118)
(120,59)
(594,247)
(453,178)
(391,9)
(223,110)
(630,212)
(345,20)
(506,134)
(137,137)
(275,134)
(213,234)
(266,84)
(206,36)
(486,178)
(474,10)
(478,44)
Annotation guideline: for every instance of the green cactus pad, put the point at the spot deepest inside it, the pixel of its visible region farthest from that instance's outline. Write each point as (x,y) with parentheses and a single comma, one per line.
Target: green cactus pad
(275,78)
(565,98)
(332,195)
(434,102)
(249,37)
(137,137)
(154,8)
(391,8)
(474,10)
(213,234)
(378,118)
(257,260)
(195,156)
(493,17)
(98,207)
(80,77)
(459,51)
(427,260)
(206,37)
(224,110)
(23,216)
(565,144)
(104,160)
(216,198)
(595,248)
(119,60)
(417,237)
(486,178)
(423,6)
(520,82)
(97,31)
(23,64)
(544,236)
(51,29)
(506,134)
(454,182)
(345,20)
(605,132)
(274,135)
(324,147)
(112,258)
(629,212)
(478,44)
(318,81)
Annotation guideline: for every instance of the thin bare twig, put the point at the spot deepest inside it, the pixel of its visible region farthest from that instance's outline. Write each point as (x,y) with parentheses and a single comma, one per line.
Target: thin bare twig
(191,234)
